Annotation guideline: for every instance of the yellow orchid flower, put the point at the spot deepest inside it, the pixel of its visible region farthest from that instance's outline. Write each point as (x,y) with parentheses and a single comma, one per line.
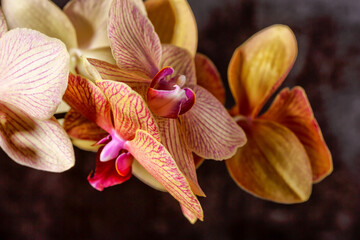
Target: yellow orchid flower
(285,152)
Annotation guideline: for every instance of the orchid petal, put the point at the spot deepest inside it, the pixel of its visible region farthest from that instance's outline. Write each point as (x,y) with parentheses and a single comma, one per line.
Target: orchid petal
(188,214)
(89,18)
(105,174)
(86,145)
(259,66)
(3,25)
(140,172)
(40,144)
(170,103)
(78,126)
(123,164)
(273,164)
(86,98)
(41,15)
(33,72)
(181,61)
(103,54)
(134,43)
(292,109)
(130,112)
(154,157)
(210,131)
(173,140)
(174,22)
(208,77)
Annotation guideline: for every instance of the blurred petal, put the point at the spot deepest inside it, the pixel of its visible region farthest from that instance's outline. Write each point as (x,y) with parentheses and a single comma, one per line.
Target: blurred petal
(86,145)
(259,66)
(42,145)
(170,103)
(33,72)
(41,15)
(103,54)
(273,164)
(89,18)
(175,143)
(144,176)
(188,214)
(210,131)
(154,157)
(208,77)
(3,26)
(181,61)
(292,109)
(86,98)
(63,107)
(134,43)
(105,174)
(174,22)
(130,112)
(78,126)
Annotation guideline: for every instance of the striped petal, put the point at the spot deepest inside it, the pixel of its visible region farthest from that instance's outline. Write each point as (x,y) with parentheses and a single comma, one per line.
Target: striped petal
(89,18)
(174,22)
(39,144)
(181,61)
(79,127)
(173,140)
(105,174)
(33,72)
(292,109)
(41,15)
(86,98)
(273,164)
(208,77)
(188,214)
(259,66)
(154,157)
(130,112)
(134,43)
(3,26)
(210,131)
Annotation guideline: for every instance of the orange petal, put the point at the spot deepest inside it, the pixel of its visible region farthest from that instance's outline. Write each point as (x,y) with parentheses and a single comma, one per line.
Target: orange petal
(130,112)
(259,66)
(174,22)
(154,157)
(208,77)
(292,109)
(79,127)
(86,98)
(174,141)
(273,164)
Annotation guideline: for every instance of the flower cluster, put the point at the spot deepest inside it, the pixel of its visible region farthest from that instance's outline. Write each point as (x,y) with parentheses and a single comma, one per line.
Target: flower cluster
(138,93)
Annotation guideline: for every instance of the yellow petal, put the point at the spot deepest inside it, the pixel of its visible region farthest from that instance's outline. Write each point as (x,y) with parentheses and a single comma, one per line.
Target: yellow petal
(292,109)
(259,66)
(144,176)
(174,22)
(273,165)
(41,15)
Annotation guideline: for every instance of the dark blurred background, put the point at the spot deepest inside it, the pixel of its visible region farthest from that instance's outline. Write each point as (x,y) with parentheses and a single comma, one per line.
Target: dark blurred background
(40,205)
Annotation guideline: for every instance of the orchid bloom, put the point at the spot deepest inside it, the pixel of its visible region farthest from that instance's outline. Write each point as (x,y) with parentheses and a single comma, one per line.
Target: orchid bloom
(33,76)
(129,132)
(285,152)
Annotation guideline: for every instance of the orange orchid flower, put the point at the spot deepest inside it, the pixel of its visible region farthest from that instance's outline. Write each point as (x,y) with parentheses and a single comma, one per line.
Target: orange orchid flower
(285,153)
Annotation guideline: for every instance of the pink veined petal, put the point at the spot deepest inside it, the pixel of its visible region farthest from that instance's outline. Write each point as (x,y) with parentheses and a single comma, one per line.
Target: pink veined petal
(181,61)
(175,143)
(33,72)
(135,45)
(154,157)
(3,26)
(188,214)
(86,98)
(89,18)
(210,131)
(130,112)
(39,144)
(105,174)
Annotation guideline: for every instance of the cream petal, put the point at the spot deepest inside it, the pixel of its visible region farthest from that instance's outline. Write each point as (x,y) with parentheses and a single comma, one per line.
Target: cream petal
(3,25)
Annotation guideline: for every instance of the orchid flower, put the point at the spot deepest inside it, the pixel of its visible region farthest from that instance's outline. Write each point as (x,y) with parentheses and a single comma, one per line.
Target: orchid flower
(285,152)
(33,76)
(131,132)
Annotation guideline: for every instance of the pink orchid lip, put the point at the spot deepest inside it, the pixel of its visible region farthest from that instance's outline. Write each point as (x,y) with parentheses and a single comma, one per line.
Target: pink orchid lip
(123,164)
(166,97)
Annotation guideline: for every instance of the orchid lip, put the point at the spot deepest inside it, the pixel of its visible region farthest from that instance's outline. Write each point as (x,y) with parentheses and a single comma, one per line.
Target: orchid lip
(112,148)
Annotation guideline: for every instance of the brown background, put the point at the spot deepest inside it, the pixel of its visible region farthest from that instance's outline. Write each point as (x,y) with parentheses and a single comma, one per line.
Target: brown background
(40,205)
